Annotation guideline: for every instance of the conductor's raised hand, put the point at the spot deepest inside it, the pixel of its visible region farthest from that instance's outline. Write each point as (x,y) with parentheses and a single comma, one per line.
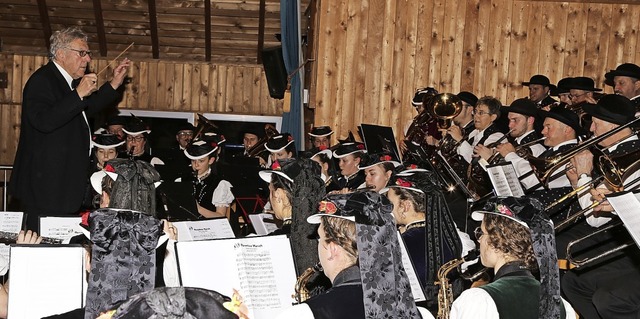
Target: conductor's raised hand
(119,73)
(88,84)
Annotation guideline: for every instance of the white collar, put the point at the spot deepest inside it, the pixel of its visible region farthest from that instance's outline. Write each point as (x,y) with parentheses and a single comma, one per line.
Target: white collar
(572,141)
(65,74)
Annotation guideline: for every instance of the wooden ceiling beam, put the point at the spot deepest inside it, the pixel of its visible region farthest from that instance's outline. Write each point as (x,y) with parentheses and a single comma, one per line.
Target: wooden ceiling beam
(102,38)
(46,24)
(207,30)
(261,31)
(153,27)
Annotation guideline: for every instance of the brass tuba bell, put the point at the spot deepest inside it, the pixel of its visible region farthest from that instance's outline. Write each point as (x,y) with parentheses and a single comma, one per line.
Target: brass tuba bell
(444,107)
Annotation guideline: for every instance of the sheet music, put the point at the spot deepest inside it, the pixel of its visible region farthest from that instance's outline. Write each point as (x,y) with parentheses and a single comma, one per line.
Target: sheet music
(416,288)
(218,228)
(260,268)
(11,222)
(60,227)
(626,205)
(263,224)
(45,280)
(505,180)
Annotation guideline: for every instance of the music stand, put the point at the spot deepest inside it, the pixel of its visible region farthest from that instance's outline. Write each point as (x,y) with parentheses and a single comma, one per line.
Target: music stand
(248,187)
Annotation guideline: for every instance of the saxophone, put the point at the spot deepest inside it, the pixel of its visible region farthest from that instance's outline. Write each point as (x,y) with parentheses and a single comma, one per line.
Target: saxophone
(445,293)
(302,293)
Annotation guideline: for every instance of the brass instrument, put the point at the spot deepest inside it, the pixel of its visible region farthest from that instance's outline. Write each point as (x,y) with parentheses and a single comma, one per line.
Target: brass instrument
(204,126)
(496,157)
(544,167)
(419,127)
(301,292)
(577,263)
(616,169)
(524,150)
(259,147)
(445,293)
(593,182)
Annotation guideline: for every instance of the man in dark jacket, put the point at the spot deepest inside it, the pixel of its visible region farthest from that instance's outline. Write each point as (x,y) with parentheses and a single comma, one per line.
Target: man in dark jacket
(51,164)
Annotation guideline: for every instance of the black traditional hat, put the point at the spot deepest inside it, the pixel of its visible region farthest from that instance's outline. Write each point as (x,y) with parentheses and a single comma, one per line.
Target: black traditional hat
(565,116)
(522,106)
(529,213)
(379,158)
(177,303)
(215,137)
(539,79)
(468,97)
(418,98)
(288,168)
(117,120)
(612,108)
(563,86)
(583,83)
(106,141)
(376,237)
(320,131)
(624,69)
(186,126)
(278,142)
(256,129)
(135,126)
(345,149)
(200,148)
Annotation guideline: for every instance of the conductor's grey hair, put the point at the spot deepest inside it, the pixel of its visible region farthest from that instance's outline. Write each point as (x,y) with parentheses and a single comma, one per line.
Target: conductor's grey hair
(63,38)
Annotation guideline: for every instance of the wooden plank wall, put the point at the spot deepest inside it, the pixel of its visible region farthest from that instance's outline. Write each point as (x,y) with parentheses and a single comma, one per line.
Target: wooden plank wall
(372,55)
(155,85)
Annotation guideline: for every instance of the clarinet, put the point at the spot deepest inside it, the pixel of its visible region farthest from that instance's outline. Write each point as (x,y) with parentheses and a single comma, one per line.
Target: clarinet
(13,237)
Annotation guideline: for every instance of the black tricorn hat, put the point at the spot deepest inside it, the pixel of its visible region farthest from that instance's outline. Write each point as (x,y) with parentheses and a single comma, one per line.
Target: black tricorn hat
(117,120)
(612,108)
(522,106)
(345,149)
(624,69)
(539,79)
(320,131)
(418,98)
(278,142)
(106,141)
(565,116)
(468,97)
(200,148)
(136,126)
(583,83)
(289,168)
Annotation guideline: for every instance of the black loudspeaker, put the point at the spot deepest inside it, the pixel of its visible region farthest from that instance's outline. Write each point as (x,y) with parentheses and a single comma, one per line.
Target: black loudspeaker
(275,71)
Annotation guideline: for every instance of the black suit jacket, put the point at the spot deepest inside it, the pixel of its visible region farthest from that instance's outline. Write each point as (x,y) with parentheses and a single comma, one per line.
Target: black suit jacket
(52,161)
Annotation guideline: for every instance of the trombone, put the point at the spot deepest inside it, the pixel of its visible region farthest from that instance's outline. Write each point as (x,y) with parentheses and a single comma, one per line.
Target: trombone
(577,263)
(544,167)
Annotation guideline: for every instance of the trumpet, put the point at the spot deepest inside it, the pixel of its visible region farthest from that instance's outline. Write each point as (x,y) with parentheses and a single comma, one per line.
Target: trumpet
(544,167)
(496,157)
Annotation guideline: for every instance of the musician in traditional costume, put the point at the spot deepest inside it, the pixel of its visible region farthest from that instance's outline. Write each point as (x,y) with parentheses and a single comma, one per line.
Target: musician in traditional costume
(540,90)
(359,252)
(213,194)
(516,240)
(320,137)
(378,169)
(327,170)
(350,156)
(625,80)
(522,115)
(602,291)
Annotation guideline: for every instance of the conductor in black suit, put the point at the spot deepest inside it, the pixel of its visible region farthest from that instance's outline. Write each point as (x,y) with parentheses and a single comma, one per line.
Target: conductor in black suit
(52,161)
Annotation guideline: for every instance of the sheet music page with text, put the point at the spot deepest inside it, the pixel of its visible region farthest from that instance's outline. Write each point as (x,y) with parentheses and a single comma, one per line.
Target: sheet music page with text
(416,288)
(60,227)
(260,268)
(11,222)
(218,228)
(627,205)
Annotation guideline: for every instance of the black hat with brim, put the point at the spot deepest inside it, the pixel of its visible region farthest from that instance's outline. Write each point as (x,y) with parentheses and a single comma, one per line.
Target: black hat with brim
(563,86)
(349,148)
(200,149)
(320,131)
(136,127)
(612,108)
(289,168)
(541,80)
(522,106)
(582,83)
(468,98)
(106,141)
(278,142)
(565,116)
(626,69)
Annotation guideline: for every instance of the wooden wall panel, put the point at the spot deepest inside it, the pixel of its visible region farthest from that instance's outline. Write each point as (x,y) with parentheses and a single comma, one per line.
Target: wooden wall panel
(488,47)
(155,85)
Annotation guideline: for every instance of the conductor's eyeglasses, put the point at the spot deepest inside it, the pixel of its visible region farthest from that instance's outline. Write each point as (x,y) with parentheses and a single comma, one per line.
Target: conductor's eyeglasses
(478,233)
(81,53)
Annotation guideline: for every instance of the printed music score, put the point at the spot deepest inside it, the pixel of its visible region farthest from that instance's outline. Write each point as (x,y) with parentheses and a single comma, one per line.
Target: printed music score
(263,223)
(62,228)
(260,268)
(11,222)
(627,205)
(218,228)
(505,180)
(414,282)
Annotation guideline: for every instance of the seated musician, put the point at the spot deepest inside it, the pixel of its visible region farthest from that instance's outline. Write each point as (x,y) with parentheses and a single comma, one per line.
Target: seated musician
(625,80)
(350,155)
(418,202)
(563,91)
(465,119)
(327,169)
(473,149)
(607,289)
(522,118)
(137,146)
(104,149)
(295,189)
(378,170)
(320,138)
(212,193)
(582,90)
(540,91)
(516,240)
(349,250)
(281,146)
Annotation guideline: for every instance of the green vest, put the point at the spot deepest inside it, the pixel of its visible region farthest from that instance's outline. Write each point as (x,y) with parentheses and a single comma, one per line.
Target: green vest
(516,297)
